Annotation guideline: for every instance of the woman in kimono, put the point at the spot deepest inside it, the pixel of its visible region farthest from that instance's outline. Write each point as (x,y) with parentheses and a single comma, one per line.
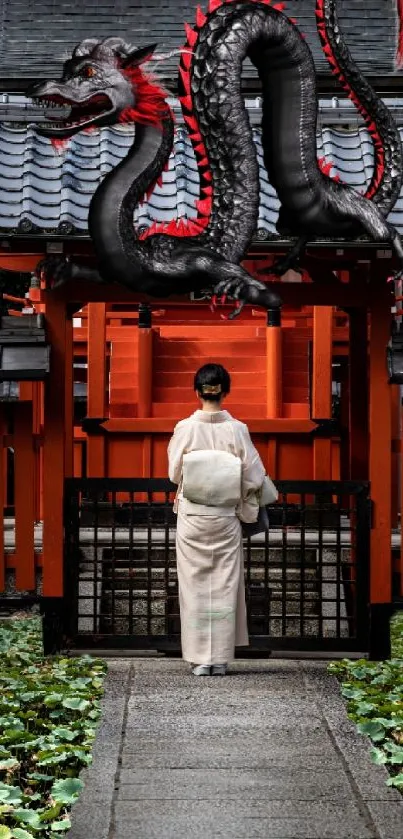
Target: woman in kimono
(209,545)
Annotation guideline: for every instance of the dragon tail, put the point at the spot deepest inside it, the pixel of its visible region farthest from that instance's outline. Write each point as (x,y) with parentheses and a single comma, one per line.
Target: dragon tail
(386,180)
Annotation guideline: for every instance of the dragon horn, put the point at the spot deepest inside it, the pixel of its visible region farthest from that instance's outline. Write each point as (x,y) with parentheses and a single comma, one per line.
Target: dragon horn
(138,56)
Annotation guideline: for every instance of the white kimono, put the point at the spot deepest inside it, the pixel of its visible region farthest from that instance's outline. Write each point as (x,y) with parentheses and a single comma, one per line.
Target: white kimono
(209,542)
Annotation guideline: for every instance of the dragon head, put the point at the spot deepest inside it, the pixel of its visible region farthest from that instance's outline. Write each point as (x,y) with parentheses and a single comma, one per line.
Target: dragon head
(101,84)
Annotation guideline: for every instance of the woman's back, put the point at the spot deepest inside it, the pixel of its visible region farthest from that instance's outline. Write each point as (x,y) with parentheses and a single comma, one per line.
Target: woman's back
(207,430)
(218,430)
(209,535)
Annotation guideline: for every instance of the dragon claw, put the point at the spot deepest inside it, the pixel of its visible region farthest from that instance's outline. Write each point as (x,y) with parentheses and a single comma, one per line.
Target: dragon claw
(237,311)
(244,289)
(213,303)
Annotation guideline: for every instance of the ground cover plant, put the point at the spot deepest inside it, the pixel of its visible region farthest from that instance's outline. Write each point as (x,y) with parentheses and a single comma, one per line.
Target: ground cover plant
(49,710)
(374,694)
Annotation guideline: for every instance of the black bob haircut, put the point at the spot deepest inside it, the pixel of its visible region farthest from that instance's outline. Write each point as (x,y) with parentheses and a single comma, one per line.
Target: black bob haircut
(212,381)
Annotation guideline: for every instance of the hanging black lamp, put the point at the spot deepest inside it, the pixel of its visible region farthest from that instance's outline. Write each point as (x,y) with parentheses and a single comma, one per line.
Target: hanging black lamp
(24,351)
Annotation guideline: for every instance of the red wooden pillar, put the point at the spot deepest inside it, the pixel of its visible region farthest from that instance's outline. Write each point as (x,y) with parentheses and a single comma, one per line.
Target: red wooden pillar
(37,412)
(344,376)
(272,457)
(57,437)
(380,445)
(3,485)
(322,387)
(274,381)
(358,395)
(145,384)
(395,442)
(96,455)
(24,483)
(401,503)
(145,362)
(69,401)
(274,359)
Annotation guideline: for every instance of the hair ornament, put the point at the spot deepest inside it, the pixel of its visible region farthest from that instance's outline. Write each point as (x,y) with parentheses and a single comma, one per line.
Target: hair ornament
(211,389)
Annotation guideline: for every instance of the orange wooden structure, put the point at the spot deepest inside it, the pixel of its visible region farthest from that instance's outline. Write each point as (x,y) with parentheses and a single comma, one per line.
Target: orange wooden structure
(138,378)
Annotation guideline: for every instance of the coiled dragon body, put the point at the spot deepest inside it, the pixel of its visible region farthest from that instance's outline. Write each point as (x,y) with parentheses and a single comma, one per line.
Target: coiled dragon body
(104,83)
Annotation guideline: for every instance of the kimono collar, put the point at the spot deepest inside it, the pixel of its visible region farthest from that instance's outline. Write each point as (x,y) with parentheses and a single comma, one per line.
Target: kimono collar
(211,416)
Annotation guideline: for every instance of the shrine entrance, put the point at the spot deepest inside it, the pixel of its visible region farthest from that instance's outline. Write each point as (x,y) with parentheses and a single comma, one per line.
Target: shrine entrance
(314,392)
(307,578)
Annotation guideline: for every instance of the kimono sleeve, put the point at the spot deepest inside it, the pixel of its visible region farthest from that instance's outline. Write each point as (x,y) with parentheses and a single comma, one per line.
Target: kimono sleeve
(253,470)
(177,447)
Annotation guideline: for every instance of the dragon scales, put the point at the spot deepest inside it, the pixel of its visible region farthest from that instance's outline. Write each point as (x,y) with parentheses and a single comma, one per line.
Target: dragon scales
(104,83)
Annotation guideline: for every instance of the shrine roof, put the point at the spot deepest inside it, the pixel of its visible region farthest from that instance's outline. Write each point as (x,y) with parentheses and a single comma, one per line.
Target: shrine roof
(43,191)
(36,35)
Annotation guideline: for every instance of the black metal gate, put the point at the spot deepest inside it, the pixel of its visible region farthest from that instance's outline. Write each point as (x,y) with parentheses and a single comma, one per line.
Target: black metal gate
(307,579)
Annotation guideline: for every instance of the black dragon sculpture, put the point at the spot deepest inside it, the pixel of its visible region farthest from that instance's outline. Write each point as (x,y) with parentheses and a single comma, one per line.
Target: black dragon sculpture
(104,83)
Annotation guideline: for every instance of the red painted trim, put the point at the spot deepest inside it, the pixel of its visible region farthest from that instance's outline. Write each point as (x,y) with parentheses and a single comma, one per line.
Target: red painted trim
(166,425)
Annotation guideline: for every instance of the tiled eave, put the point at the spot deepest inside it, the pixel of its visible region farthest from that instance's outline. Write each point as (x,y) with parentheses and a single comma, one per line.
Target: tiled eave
(47,194)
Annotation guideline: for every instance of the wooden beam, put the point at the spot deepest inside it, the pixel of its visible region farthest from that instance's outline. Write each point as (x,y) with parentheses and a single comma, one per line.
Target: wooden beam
(293,294)
(24,263)
(165,425)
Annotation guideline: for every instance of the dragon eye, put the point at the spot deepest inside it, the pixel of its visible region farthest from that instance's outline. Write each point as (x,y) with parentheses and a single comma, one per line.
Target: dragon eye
(88,72)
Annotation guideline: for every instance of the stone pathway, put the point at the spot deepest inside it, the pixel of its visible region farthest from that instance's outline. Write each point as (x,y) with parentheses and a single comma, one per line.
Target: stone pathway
(265,752)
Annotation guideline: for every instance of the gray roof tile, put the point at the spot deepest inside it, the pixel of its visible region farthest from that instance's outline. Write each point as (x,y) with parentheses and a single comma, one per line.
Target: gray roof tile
(35,35)
(47,188)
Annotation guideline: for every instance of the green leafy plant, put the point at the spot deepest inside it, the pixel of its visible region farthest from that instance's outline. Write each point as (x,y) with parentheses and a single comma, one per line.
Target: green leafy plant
(49,711)
(374,694)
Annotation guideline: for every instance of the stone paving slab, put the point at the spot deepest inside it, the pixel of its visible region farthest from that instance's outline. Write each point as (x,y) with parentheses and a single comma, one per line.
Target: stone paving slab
(237,752)
(270,739)
(389,817)
(265,752)
(240,820)
(173,783)
(220,725)
(271,709)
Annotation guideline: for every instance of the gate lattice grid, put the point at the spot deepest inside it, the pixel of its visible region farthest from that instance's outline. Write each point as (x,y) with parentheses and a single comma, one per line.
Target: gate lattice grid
(307,578)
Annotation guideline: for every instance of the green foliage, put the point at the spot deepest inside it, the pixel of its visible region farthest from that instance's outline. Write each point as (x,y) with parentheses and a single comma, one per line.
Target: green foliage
(396,634)
(49,710)
(374,694)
